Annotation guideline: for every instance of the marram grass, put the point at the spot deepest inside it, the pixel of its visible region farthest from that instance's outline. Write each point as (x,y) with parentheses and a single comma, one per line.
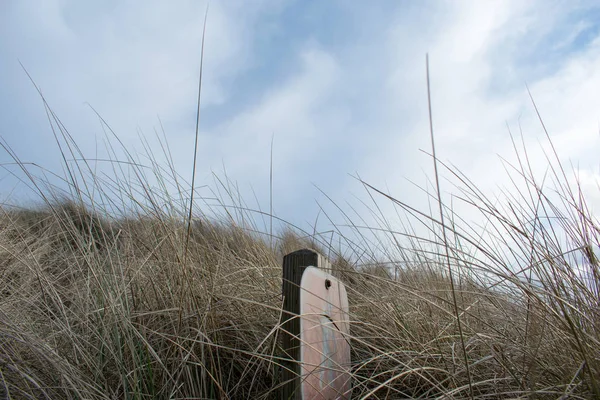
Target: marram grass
(105,293)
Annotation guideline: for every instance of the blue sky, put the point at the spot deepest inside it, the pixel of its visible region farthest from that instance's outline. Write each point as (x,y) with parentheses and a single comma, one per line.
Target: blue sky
(340,85)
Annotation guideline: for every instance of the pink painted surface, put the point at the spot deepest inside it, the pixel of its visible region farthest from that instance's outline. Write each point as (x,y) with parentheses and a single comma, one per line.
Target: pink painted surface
(324,335)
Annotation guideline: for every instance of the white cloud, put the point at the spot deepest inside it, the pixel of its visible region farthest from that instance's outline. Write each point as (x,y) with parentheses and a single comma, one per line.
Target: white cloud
(469,120)
(130,62)
(360,105)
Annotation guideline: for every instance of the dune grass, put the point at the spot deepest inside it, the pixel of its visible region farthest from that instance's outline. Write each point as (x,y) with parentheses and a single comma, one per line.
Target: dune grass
(115,286)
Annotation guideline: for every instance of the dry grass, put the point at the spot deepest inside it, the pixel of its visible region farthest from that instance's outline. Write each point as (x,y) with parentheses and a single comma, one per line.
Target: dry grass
(102,298)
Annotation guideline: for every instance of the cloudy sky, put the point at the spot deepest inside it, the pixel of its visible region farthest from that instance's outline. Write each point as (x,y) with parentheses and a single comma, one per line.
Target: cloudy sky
(340,85)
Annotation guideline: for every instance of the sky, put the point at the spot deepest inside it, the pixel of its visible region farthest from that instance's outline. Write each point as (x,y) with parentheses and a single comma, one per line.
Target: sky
(340,88)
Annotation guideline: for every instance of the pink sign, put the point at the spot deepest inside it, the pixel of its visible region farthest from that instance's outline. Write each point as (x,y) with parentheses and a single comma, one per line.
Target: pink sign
(325,337)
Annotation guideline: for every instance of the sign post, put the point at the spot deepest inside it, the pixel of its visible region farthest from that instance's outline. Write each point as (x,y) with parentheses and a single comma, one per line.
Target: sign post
(315,330)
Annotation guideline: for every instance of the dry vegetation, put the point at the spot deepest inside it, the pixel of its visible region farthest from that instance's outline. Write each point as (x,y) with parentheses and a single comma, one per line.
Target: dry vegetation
(105,293)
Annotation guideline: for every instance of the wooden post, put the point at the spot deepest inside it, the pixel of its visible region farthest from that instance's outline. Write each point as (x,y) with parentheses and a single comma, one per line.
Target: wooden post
(294,265)
(315,330)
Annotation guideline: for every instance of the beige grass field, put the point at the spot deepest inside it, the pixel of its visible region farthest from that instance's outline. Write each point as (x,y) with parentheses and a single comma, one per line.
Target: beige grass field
(105,292)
